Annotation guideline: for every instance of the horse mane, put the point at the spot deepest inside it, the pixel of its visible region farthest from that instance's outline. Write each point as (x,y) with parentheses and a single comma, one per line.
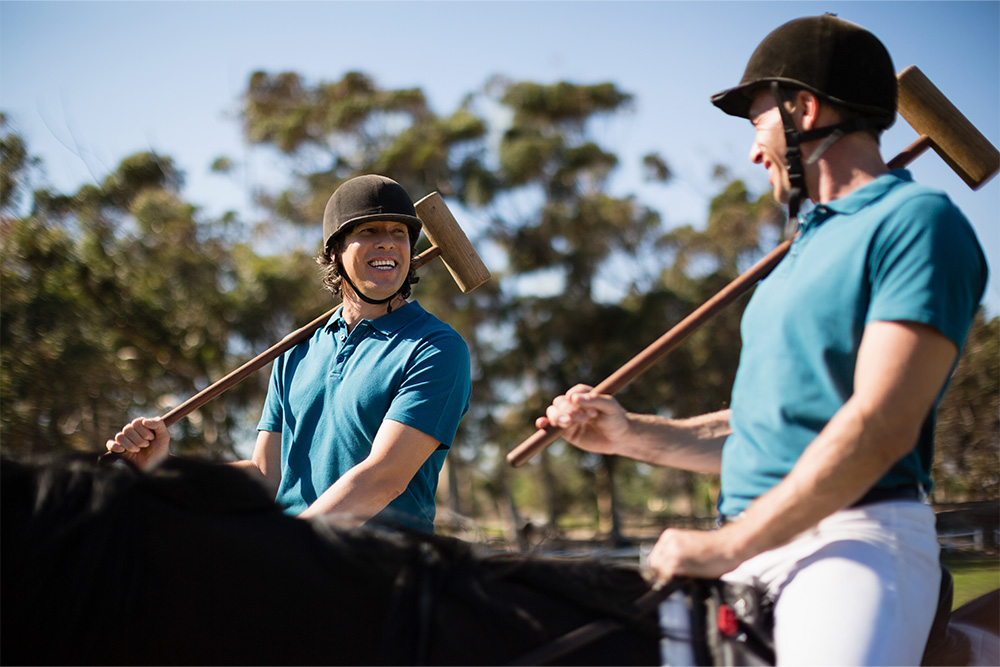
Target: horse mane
(60,491)
(418,561)
(84,522)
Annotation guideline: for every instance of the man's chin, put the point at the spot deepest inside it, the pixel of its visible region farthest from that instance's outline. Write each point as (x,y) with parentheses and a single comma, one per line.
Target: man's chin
(381,290)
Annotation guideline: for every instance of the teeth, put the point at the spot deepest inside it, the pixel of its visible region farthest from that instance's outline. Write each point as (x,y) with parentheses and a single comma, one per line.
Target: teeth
(382,264)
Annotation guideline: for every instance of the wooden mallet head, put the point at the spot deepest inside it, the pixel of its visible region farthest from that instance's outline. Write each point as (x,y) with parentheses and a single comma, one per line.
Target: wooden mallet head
(945,129)
(450,243)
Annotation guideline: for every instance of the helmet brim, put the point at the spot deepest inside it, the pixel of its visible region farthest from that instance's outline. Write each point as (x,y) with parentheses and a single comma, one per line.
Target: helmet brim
(410,221)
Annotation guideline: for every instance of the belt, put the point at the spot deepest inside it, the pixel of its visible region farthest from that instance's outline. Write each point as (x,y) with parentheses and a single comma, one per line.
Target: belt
(875,495)
(883,494)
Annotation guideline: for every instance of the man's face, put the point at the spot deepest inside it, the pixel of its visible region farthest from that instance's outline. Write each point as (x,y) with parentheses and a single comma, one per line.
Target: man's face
(376,257)
(768,148)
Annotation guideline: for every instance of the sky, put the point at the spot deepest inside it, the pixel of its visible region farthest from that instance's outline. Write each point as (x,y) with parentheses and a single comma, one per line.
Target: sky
(89,83)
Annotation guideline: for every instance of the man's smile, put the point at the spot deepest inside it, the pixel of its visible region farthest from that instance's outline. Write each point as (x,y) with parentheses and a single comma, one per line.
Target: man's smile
(383,264)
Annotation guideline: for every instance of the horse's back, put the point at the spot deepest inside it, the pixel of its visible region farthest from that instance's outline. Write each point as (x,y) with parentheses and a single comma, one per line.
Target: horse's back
(191,564)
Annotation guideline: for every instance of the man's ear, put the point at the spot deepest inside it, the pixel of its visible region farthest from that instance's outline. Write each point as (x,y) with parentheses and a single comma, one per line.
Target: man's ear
(808,104)
(332,251)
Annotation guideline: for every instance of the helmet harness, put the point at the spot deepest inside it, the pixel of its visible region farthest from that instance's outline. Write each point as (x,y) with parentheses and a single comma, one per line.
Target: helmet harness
(798,190)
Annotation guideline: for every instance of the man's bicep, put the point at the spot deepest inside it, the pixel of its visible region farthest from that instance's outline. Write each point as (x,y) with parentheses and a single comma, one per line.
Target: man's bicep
(435,393)
(901,369)
(267,458)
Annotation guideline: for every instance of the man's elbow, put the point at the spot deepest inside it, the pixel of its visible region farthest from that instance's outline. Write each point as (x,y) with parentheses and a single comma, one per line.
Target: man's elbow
(894,439)
(385,486)
(393,488)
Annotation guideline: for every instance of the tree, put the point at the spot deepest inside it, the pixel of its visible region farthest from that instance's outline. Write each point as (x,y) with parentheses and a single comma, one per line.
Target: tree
(967,436)
(119,300)
(569,229)
(544,192)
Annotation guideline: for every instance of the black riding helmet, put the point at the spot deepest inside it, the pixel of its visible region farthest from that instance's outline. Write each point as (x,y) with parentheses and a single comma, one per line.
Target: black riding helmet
(369,198)
(365,199)
(835,60)
(825,55)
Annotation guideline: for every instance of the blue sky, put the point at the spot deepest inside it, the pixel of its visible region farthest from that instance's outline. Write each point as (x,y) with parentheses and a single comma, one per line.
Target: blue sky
(88,83)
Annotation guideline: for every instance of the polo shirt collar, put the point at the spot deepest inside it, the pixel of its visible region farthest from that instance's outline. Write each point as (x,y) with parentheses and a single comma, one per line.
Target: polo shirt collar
(388,324)
(397,319)
(868,193)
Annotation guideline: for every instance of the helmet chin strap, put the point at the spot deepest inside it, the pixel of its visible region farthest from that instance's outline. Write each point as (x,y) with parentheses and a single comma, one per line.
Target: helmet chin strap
(793,159)
(798,190)
(367,299)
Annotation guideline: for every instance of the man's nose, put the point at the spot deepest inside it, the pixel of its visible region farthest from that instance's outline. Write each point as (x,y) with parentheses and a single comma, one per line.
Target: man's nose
(756,153)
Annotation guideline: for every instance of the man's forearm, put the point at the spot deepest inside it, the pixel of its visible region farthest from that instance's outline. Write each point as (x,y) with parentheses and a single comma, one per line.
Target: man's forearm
(357,496)
(252,469)
(693,444)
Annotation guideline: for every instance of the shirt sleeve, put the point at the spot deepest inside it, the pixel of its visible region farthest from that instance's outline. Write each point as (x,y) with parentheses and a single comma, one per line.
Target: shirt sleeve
(271,415)
(926,265)
(435,392)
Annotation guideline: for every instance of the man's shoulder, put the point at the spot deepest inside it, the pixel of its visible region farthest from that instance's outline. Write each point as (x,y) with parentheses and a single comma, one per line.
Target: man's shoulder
(909,206)
(431,324)
(907,194)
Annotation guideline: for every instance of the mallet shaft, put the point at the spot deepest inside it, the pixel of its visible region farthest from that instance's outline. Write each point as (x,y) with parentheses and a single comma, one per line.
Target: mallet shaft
(244,371)
(641,362)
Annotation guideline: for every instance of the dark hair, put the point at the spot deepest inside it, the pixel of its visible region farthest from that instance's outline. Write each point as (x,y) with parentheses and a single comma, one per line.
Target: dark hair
(847,113)
(329,263)
(844,112)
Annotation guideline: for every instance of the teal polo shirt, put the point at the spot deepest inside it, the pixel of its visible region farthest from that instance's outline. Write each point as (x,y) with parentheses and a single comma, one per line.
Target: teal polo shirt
(329,395)
(891,250)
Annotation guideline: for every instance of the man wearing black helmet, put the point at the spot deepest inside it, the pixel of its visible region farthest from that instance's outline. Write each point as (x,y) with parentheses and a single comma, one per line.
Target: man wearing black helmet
(825,453)
(358,418)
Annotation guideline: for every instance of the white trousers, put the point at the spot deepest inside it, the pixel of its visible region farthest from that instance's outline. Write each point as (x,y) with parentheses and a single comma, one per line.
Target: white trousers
(860,588)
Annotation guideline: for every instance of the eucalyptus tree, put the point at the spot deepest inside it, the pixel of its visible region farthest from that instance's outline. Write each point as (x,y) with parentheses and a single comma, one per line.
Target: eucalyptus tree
(967,436)
(121,299)
(559,227)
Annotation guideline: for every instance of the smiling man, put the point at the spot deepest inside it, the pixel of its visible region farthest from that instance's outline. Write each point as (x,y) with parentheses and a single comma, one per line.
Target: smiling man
(825,453)
(358,418)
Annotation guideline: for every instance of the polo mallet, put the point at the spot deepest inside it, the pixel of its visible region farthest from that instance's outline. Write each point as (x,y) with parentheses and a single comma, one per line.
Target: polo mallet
(941,127)
(449,243)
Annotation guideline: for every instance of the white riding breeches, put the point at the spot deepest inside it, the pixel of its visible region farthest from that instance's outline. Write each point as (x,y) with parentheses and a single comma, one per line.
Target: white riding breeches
(860,588)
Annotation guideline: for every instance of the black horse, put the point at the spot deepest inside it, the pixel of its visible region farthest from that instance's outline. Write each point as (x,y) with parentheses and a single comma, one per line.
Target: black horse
(192,563)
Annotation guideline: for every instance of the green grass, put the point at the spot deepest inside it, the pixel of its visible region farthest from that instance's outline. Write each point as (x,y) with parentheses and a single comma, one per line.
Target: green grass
(974,574)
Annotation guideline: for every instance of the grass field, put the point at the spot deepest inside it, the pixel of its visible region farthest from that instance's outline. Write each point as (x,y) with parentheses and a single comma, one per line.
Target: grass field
(974,573)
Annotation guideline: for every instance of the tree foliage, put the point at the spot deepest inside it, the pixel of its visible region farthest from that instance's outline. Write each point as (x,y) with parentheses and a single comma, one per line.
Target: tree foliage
(967,439)
(119,300)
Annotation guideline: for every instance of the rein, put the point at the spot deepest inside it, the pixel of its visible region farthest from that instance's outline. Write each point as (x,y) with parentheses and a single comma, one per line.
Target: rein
(597,629)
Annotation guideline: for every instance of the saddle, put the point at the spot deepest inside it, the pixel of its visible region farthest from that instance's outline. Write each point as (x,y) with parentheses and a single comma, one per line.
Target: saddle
(944,646)
(733,624)
(714,622)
